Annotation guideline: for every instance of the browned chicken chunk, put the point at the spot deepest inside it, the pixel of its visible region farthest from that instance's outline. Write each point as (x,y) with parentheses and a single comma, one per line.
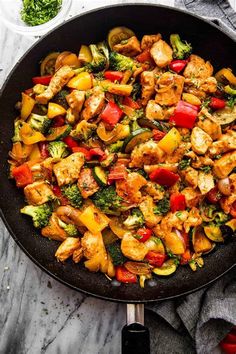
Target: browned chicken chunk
(94,104)
(148,86)
(59,79)
(76,100)
(154,111)
(38,193)
(161,53)
(146,154)
(67,248)
(226,143)
(225,165)
(129,47)
(129,189)
(68,170)
(53,230)
(86,183)
(149,39)
(198,68)
(169,88)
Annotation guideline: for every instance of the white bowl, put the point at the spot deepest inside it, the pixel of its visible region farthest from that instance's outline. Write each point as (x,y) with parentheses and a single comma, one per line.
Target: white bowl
(11,17)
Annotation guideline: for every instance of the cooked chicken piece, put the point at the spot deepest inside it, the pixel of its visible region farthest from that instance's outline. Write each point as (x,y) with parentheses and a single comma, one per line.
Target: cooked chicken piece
(130,47)
(173,220)
(132,248)
(169,166)
(149,39)
(148,86)
(129,189)
(178,153)
(198,68)
(146,154)
(38,193)
(168,112)
(190,175)
(146,207)
(192,197)
(200,141)
(68,170)
(67,248)
(154,111)
(194,219)
(208,125)
(232,180)
(76,100)
(53,230)
(193,86)
(161,53)
(153,189)
(169,89)
(199,161)
(94,104)
(209,85)
(77,255)
(94,250)
(227,142)
(59,79)
(225,165)
(86,183)
(205,182)
(227,202)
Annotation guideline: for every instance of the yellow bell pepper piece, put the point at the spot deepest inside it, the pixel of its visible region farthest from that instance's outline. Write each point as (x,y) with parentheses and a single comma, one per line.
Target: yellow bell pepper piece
(121,131)
(117,227)
(27,106)
(30,136)
(20,152)
(192,99)
(35,155)
(55,109)
(232,224)
(85,55)
(94,219)
(226,74)
(116,89)
(82,81)
(171,141)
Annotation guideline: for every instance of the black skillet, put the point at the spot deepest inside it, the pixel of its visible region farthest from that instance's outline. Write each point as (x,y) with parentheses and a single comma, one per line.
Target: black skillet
(209,42)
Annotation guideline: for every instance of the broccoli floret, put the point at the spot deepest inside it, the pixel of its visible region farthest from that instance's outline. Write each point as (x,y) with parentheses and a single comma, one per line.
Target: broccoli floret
(39,213)
(120,62)
(184,163)
(17,128)
(70,229)
(57,149)
(39,123)
(181,50)
(137,90)
(107,200)
(134,220)
(116,147)
(103,48)
(115,253)
(83,130)
(162,207)
(60,98)
(72,193)
(99,61)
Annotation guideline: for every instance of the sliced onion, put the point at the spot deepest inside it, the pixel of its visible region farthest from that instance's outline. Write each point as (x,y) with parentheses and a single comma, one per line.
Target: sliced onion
(138,268)
(224,186)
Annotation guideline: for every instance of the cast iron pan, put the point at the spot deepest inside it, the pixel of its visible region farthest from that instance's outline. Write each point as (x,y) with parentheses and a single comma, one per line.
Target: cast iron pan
(209,42)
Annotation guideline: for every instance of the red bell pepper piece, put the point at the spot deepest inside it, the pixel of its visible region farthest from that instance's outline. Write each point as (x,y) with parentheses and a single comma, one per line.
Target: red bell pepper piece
(228,348)
(70,142)
(231,337)
(125,276)
(144,56)
(43,80)
(184,115)
(177,202)
(217,103)
(233,210)
(214,195)
(29,91)
(117,172)
(112,113)
(178,65)
(185,257)
(97,152)
(113,75)
(144,234)
(23,175)
(83,151)
(164,177)
(128,101)
(57,191)
(158,134)
(43,148)
(58,121)
(155,258)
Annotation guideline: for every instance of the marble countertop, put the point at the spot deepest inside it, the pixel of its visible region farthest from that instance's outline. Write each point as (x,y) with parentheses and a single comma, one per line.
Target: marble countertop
(37,313)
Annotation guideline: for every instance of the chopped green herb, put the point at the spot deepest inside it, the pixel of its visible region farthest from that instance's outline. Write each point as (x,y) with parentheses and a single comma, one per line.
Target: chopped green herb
(162,207)
(205,169)
(37,12)
(231,101)
(183,164)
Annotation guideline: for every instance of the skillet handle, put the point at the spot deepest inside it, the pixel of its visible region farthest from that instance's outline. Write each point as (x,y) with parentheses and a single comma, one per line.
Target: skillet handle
(135,336)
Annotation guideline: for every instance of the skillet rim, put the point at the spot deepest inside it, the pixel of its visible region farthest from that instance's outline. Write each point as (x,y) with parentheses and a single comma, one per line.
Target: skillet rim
(8,78)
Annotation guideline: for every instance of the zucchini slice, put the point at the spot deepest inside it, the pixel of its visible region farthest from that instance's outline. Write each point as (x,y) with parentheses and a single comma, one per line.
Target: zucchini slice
(166,269)
(153,124)
(224,116)
(135,138)
(213,233)
(100,176)
(58,133)
(118,34)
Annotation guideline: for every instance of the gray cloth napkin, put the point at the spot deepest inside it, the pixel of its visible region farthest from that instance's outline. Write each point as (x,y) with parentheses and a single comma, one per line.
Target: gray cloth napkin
(196,323)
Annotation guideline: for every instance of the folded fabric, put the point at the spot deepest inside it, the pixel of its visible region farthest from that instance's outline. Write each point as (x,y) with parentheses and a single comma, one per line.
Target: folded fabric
(198,322)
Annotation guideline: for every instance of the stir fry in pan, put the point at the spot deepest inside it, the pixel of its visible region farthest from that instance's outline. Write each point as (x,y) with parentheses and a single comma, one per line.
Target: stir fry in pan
(126,155)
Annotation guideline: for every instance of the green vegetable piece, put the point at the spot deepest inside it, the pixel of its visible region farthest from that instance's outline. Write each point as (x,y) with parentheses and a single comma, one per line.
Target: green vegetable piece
(162,207)
(183,164)
(135,219)
(39,123)
(58,149)
(99,61)
(60,98)
(37,12)
(40,214)
(181,50)
(70,229)
(116,147)
(83,130)
(72,193)
(107,200)
(100,176)
(136,137)
(17,127)
(230,91)
(58,133)
(115,253)
(120,62)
